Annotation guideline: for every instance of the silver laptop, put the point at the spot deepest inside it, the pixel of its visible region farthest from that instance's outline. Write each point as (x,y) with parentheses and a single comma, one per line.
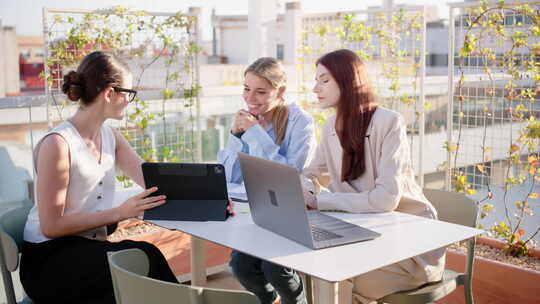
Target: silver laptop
(277,203)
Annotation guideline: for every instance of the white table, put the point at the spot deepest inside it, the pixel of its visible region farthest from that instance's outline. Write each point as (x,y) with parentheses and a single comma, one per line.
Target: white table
(402,236)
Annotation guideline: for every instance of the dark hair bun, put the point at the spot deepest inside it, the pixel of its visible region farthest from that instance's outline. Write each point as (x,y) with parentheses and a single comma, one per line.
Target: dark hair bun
(73,86)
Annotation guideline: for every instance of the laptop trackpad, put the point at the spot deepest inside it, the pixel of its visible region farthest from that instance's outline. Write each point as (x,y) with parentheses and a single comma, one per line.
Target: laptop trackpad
(340,227)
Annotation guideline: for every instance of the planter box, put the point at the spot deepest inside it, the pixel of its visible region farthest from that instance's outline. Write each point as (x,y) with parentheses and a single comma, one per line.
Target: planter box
(495,282)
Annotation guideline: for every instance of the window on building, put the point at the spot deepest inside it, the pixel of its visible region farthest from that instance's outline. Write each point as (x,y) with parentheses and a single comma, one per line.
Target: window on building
(477,178)
(280,52)
(25,54)
(437,60)
(509,20)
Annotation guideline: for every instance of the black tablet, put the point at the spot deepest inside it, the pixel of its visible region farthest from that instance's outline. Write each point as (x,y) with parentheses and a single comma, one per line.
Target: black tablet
(195,192)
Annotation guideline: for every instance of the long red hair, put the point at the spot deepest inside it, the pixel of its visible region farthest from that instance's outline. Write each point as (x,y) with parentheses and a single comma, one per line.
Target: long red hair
(355,108)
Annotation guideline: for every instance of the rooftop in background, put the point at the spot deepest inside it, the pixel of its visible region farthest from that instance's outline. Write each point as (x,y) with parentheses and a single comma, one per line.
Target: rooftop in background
(11,11)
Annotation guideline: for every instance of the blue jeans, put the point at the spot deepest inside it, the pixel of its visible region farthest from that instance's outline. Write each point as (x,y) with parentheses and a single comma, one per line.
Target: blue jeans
(267,280)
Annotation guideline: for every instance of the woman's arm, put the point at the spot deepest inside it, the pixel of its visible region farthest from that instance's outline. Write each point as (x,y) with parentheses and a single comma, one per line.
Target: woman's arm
(317,165)
(228,157)
(310,177)
(127,159)
(386,194)
(260,144)
(301,143)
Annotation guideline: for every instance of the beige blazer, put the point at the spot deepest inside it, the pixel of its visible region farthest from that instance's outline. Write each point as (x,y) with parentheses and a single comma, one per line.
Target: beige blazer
(388,184)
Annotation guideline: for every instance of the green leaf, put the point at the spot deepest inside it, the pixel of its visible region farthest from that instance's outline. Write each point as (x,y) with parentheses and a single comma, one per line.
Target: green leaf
(167,93)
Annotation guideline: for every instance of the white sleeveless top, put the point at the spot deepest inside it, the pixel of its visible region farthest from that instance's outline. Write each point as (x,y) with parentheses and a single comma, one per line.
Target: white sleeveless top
(91,184)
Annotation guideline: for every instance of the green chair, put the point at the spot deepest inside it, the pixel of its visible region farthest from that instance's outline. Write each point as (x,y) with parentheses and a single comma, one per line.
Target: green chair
(454,208)
(12,221)
(129,269)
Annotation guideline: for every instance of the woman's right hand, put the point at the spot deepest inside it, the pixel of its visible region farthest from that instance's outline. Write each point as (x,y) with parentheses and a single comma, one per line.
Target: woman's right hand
(309,190)
(310,199)
(136,205)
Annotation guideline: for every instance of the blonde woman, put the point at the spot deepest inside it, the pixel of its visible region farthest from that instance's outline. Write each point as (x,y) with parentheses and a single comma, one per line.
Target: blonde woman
(276,131)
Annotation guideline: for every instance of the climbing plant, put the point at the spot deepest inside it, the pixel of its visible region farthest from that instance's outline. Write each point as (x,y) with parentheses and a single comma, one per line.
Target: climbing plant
(160,49)
(498,84)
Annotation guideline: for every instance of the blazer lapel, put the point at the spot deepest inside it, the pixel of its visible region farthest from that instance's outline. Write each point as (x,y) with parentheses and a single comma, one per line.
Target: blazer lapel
(367,181)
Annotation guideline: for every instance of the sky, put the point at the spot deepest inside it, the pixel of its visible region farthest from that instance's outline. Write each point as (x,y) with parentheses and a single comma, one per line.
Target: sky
(26,15)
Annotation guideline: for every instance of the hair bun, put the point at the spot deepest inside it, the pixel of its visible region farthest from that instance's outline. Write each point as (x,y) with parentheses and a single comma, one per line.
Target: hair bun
(73,86)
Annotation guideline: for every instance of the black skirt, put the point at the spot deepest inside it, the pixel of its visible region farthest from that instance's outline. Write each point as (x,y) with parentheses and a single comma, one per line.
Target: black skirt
(75,269)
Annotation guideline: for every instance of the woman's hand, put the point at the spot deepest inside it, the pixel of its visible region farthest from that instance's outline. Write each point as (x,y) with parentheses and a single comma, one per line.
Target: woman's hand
(136,205)
(230,208)
(308,188)
(311,199)
(243,121)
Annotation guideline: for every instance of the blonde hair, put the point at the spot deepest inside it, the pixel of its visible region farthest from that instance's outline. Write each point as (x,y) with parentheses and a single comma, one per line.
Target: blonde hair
(271,70)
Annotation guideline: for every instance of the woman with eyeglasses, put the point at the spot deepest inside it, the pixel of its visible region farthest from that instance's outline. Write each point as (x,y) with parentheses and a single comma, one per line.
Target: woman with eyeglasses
(64,255)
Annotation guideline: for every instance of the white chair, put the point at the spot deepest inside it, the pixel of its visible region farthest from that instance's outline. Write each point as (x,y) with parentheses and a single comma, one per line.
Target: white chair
(129,270)
(454,208)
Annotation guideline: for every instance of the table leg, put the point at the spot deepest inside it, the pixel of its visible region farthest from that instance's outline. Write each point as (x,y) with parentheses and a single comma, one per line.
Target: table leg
(198,262)
(309,288)
(325,292)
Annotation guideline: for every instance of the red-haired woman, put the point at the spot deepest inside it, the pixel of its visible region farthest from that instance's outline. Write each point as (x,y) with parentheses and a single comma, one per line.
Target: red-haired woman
(365,152)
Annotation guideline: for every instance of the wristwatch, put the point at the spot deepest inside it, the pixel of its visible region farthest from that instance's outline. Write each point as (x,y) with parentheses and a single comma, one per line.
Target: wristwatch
(238,134)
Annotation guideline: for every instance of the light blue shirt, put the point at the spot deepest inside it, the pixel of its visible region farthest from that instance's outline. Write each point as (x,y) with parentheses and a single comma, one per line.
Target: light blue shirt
(298,144)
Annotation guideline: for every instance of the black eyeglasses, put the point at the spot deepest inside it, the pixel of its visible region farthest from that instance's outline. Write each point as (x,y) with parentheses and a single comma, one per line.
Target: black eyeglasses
(131,93)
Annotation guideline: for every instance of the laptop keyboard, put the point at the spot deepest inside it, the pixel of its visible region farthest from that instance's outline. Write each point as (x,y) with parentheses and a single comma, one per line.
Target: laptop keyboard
(323,235)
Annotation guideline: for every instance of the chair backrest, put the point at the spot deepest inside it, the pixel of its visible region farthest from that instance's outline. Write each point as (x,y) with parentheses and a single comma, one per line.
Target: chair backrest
(129,270)
(457,208)
(453,207)
(12,223)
